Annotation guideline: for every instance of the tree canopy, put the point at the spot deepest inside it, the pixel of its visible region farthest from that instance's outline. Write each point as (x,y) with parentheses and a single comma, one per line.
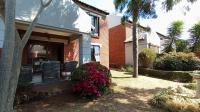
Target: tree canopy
(195,37)
(174,32)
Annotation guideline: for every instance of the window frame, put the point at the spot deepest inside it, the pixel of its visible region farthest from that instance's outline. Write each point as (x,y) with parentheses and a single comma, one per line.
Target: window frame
(93,48)
(96,32)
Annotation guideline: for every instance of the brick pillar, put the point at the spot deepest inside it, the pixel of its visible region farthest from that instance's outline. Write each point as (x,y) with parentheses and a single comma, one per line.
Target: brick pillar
(84,49)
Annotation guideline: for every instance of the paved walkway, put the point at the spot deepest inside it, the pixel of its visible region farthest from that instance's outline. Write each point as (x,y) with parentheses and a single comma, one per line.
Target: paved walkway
(129,95)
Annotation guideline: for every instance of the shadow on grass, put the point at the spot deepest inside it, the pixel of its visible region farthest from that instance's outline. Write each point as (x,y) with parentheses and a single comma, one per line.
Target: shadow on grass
(121,77)
(128,73)
(126,100)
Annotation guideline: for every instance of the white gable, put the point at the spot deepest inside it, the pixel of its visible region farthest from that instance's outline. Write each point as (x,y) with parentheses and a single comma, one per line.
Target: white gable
(60,14)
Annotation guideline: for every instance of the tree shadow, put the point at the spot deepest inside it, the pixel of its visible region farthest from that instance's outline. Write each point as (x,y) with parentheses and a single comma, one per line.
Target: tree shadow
(126,100)
(121,77)
(59,14)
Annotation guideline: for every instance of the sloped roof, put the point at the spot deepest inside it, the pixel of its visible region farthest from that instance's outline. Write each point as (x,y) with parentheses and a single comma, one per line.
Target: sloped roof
(162,35)
(79,2)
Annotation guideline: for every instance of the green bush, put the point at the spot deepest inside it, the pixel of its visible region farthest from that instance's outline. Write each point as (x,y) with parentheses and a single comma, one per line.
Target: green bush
(91,80)
(179,76)
(161,98)
(147,57)
(171,101)
(191,86)
(176,62)
(127,68)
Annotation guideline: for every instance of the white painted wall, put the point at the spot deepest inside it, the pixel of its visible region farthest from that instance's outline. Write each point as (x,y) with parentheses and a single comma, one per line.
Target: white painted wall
(129,50)
(114,20)
(1,33)
(129,53)
(153,38)
(61,14)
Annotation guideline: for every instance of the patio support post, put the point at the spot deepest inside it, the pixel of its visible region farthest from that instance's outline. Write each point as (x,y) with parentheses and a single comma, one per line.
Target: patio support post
(84,49)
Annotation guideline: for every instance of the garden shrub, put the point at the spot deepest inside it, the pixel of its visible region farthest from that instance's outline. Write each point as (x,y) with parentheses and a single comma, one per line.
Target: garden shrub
(127,68)
(147,57)
(91,80)
(177,62)
(179,76)
(191,86)
(172,101)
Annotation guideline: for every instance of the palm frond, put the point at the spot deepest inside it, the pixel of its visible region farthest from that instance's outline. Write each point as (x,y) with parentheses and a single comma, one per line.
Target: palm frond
(175,30)
(120,5)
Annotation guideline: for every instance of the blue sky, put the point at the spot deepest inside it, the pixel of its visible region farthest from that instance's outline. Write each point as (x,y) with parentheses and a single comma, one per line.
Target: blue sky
(164,19)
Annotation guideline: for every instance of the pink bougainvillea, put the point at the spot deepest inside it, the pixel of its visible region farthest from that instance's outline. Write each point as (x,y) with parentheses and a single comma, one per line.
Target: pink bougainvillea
(91,80)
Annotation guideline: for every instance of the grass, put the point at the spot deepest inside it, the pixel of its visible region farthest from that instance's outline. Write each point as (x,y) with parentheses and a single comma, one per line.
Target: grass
(173,102)
(128,95)
(191,86)
(127,68)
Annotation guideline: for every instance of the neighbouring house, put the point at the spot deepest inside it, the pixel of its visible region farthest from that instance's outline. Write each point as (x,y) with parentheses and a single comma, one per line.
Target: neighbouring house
(120,38)
(164,41)
(67,31)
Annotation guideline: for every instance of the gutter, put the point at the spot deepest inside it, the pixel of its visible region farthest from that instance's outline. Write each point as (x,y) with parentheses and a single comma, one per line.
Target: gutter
(20,22)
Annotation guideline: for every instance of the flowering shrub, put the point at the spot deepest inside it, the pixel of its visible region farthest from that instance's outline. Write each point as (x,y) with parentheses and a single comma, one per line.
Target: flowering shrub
(91,80)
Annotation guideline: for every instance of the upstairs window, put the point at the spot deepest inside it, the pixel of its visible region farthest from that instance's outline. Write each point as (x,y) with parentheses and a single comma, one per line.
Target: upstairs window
(95,25)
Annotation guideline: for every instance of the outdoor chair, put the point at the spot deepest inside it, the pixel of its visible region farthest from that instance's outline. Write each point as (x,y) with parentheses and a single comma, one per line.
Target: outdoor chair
(51,71)
(68,68)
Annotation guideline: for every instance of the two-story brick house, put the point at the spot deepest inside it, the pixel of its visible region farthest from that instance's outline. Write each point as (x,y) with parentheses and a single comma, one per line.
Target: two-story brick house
(67,30)
(120,41)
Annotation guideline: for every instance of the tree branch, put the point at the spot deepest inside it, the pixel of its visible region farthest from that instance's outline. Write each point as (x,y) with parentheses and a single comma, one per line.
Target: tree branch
(45,5)
(17,36)
(2,9)
(31,26)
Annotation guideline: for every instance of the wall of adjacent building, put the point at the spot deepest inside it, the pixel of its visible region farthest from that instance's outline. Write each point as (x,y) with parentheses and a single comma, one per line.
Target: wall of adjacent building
(117,36)
(129,50)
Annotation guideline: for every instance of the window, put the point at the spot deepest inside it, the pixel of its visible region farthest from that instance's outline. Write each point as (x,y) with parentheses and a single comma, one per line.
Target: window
(95,25)
(95,53)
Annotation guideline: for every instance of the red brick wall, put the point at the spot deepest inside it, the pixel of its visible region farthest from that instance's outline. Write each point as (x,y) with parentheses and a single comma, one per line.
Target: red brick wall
(117,36)
(71,51)
(104,40)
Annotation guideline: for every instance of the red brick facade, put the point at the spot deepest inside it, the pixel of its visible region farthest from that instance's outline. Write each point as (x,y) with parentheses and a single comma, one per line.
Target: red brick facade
(103,39)
(117,36)
(71,50)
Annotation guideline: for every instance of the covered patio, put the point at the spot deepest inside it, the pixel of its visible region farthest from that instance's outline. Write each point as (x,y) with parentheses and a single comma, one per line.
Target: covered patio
(60,41)
(51,55)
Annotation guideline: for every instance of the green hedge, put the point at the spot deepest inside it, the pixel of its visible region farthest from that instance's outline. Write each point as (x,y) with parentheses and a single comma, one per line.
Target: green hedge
(179,76)
(179,61)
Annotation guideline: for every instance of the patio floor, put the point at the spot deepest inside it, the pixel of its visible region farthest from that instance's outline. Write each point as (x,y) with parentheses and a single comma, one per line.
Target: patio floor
(129,95)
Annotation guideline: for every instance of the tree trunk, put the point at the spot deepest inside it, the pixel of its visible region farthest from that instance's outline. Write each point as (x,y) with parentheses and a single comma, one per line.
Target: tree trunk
(7,53)
(135,49)
(16,60)
(15,72)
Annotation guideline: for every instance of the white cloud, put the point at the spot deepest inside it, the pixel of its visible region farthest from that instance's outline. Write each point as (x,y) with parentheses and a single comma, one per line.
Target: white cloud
(164,19)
